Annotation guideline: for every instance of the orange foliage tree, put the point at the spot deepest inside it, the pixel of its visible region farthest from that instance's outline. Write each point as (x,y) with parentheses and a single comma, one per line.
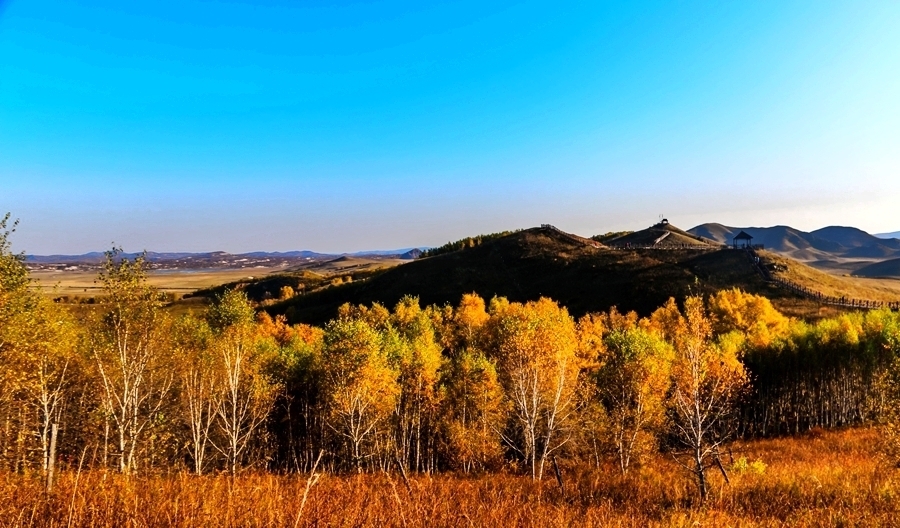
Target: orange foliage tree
(706,381)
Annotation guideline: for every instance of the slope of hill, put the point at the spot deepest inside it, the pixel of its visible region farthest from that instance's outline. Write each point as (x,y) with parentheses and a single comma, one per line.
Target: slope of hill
(542,262)
(887,268)
(895,234)
(829,284)
(853,237)
(663,235)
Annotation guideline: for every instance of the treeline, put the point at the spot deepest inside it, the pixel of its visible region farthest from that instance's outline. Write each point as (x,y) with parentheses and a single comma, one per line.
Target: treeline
(464,243)
(475,387)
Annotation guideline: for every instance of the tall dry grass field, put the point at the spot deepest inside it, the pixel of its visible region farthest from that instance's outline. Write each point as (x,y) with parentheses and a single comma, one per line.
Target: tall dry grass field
(824,479)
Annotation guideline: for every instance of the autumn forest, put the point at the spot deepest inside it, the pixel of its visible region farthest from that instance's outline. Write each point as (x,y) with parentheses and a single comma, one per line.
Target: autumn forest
(610,408)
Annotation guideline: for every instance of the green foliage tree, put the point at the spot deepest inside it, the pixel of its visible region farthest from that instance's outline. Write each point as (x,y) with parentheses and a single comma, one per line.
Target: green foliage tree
(632,384)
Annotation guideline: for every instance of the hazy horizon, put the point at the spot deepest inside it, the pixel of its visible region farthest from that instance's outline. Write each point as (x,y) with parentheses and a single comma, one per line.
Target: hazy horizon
(135,250)
(347,126)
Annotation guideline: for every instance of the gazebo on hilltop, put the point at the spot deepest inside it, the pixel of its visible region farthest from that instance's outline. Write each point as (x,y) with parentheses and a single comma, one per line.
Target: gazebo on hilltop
(743,238)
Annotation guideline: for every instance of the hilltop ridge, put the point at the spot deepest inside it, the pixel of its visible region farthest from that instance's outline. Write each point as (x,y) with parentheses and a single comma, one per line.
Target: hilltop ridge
(663,235)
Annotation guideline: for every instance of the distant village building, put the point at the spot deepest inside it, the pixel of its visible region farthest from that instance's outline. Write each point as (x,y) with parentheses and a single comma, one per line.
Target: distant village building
(743,239)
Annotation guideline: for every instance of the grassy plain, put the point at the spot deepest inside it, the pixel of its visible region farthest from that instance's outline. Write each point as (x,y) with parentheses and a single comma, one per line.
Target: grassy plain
(85,284)
(832,478)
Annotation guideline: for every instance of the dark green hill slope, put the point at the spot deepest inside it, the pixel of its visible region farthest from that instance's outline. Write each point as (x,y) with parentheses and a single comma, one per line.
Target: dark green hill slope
(542,262)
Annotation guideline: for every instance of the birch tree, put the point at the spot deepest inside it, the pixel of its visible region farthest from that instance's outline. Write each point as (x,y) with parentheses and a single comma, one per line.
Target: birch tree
(359,386)
(131,354)
(706,380)
(246,393)
(15,305)
(50,364)
(632,384)
(474,411)
(417,359)
(536,347)
(200,387)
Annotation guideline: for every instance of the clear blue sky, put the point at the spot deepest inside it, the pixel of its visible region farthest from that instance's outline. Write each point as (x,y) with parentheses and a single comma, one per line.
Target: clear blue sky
(343,126)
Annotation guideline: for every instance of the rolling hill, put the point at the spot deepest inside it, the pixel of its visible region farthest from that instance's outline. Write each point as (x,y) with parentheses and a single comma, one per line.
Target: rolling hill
(537,262)
(886,268)
(663,235)
(835,248)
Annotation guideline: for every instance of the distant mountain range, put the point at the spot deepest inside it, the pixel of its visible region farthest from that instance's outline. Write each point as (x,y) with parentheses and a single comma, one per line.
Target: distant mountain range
(845,250)
(218,259)
(836,248)
(152,256)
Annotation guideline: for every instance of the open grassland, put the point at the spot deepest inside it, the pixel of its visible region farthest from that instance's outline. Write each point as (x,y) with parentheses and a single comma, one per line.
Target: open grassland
(822,479)
(85,283)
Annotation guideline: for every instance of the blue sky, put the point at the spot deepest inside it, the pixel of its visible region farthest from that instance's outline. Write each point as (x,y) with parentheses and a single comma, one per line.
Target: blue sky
(344,126)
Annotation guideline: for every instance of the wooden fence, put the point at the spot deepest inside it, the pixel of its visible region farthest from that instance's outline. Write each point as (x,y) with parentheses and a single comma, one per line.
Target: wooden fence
(574,238)
(809,293)
(665,247)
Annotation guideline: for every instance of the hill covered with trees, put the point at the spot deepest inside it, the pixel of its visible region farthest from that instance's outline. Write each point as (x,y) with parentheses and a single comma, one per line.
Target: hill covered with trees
(541,262)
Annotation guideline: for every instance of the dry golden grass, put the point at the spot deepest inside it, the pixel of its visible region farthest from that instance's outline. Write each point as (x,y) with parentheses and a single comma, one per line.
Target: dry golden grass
(832,285)
(85,284)
(825,479)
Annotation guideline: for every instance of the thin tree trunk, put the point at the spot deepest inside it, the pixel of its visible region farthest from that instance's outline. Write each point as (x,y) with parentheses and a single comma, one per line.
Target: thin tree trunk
(51,462)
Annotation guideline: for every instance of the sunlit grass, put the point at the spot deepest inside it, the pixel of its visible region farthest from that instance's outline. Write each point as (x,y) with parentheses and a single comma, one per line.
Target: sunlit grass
(823,479)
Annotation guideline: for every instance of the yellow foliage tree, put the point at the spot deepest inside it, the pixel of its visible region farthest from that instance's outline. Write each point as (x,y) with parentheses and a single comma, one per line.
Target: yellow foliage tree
(706,379)
(417,358)
(752,315)
(199,393)
(129,343)
(470,317)
(537,357)
(474,411)
(246,393)
(359,385)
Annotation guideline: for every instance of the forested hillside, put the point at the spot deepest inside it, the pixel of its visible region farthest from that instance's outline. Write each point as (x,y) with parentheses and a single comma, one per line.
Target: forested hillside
(541,262)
